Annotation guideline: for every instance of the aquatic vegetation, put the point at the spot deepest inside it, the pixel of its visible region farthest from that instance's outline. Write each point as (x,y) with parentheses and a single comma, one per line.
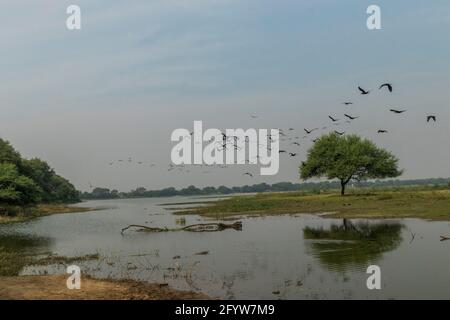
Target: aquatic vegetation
(18,251)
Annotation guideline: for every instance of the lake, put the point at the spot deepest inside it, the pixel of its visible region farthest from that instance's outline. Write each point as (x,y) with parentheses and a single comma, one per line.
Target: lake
(273,257)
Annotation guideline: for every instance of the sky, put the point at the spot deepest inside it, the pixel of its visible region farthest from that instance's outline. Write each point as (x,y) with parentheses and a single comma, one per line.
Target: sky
(137,70)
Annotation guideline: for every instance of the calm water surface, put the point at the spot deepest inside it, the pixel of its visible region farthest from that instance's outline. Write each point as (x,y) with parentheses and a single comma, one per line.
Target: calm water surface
(286,257)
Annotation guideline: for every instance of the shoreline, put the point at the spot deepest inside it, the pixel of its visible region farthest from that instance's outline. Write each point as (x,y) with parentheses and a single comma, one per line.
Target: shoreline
(53,287)
(43,210)
(360,204)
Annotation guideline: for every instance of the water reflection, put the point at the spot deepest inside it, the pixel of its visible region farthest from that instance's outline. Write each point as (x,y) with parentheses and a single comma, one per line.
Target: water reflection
(349,246)
(271,257)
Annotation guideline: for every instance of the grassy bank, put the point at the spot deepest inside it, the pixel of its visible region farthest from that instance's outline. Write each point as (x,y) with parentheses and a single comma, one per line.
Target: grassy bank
(18,214)
(431,203)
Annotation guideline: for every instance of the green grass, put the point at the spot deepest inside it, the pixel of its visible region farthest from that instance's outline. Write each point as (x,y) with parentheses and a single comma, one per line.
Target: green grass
(17,251)
(11,262)
(425,202)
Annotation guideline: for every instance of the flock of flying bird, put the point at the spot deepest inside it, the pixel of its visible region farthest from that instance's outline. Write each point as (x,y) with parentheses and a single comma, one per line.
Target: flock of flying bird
(224,142)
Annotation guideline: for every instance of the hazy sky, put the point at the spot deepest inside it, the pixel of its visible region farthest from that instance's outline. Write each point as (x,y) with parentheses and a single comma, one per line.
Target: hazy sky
(137,70)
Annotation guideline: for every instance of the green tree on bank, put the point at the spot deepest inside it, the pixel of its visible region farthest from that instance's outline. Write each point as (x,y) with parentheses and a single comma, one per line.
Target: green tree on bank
(348,158)
(27,182)
(16,189)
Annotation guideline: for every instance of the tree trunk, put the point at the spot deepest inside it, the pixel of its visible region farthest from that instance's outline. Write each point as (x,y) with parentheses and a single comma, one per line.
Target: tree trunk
(342,188)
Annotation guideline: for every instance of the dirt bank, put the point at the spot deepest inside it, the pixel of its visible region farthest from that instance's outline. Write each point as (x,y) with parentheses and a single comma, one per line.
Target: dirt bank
(54,288)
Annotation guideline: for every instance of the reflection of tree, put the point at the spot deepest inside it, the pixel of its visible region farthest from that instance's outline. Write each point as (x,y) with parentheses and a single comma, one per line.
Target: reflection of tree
(349,246)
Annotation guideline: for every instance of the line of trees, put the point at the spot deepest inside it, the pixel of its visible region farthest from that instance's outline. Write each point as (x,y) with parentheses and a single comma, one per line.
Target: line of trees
(25,182)
(105,193)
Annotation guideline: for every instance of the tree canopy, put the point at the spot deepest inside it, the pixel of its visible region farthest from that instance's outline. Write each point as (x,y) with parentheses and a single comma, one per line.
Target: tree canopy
(348,158)
(15,188)
(26,182)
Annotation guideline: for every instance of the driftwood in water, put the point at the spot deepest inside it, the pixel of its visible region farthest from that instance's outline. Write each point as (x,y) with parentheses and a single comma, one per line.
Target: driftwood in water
(200,227)
(443,238)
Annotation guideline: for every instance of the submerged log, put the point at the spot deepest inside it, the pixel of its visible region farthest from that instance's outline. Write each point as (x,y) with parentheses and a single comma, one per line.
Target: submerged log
(200,227)
(443,238)
(144,228)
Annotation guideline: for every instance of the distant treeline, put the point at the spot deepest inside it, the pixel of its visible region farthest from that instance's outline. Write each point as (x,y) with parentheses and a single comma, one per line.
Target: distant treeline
(26,182)
(105,193)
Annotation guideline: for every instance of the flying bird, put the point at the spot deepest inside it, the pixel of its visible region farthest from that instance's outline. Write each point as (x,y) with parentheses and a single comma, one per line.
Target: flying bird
(333,119)
(292,154)
(309,131)
(363,92)
(382,131)
(429,118)
(397,111)
(387,85)
(347,103)
(282,151)
(350,117)
(249,174)
(339,133)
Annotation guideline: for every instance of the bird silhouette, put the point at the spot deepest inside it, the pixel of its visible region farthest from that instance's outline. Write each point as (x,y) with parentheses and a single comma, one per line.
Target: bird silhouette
(347,103)
(363,92)
(339,133)
(333,119)
(429,118)
(397,111)
(382,131)
(387,85)
(292,154)
(309,131)
(350,117)
(248,174)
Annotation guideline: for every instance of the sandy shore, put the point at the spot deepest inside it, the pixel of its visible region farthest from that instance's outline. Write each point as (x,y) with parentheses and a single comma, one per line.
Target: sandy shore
(54,288)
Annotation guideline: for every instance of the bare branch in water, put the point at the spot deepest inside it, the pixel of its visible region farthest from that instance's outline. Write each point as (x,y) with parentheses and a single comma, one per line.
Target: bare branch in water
(200,227)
